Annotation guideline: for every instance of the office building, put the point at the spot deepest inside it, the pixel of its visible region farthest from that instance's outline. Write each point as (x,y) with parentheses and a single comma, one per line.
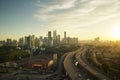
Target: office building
(64,40)
(54,38)
(49,35)
(30,42)
(37,42)
(50,41)
(14,43)
(9,42)
(58,40)
(21,42)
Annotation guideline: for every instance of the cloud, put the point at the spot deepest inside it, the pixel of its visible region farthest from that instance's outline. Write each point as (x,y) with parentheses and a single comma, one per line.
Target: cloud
(64,5)
(46,7)
(76,13)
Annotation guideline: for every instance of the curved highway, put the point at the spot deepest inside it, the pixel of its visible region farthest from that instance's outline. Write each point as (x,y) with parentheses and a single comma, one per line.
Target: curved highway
(72,69)
(69,66)
(81,59)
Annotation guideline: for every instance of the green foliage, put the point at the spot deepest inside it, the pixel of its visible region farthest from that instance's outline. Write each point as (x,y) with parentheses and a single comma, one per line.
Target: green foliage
(60,49)
(11,53)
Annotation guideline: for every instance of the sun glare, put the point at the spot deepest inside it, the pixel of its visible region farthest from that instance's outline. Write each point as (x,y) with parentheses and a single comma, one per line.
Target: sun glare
(116,31)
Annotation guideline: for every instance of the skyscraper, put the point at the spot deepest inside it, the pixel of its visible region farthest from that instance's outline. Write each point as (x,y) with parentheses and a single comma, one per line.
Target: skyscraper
(54,34)
(37,42)
(30,43)
(54,37)
(58,39)
(65,39)
(28,39)
(49,35)
(21,41)
(65,35)
(9,42)
(50,42)
(41,41)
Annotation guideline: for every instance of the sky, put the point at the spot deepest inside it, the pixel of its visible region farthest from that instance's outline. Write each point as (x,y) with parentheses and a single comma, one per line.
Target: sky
(85,19)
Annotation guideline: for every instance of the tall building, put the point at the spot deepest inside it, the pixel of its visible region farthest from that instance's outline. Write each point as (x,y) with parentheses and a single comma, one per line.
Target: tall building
(25,40)
(37,42)
(58,40)
(21,42)
(45,41)
(65,38)
(49,35)
(50,41)
(54,34)
(30,42)
(65,35)
(14,43)
(55,57)
(54,38)
(41,41)
(72,41)
(9,42)
(41,38)
(97,39)
(2,43)
(33,41)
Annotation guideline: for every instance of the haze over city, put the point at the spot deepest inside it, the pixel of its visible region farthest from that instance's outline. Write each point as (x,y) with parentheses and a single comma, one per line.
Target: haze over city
(59,39)
(85,19)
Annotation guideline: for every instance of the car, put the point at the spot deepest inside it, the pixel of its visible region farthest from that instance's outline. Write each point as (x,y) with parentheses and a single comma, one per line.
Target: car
(76,63)
(79,75)
(87,79)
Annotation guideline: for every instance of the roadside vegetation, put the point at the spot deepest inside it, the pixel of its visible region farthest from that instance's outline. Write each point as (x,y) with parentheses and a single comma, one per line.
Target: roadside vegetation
(106,56)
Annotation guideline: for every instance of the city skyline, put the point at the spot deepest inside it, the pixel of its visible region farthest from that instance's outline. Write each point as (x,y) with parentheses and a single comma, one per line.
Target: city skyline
(84,19)
(49,34)
(31,41)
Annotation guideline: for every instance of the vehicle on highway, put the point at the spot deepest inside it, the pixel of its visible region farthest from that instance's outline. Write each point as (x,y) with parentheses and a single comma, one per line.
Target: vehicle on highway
(87,79)
(79,75)
(76,63)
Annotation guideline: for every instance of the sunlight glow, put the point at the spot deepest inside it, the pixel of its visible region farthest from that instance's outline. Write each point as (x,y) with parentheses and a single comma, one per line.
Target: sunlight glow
(116,31)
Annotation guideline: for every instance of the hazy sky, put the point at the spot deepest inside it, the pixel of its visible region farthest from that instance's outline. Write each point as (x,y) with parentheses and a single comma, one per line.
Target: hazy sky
(85,19)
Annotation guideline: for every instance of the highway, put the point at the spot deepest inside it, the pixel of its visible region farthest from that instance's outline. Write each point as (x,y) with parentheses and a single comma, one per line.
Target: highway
(83,71)
(94,74)
(73,71)
(69,66)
